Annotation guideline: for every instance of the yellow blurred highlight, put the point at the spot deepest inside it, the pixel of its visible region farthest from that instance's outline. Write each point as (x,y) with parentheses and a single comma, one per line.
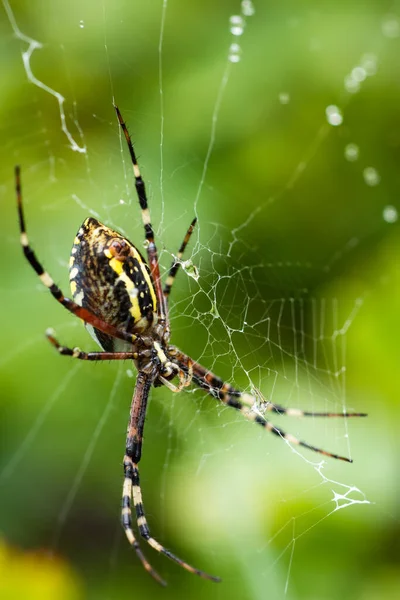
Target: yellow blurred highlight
(35,576)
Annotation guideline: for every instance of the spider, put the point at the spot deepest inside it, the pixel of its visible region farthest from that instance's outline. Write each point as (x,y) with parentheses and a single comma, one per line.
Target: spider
(122,303)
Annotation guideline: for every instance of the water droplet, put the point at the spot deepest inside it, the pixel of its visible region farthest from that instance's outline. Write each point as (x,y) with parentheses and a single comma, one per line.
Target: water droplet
(333,115)
(129,373)
(351,85)
(390,214)
(81,24)
(371,176)
(190,269)
(359,74)
(234,53)
(369,63)
(284,98)
(248,9)
(351,152)
(390,26)
(121,201)
(236,24)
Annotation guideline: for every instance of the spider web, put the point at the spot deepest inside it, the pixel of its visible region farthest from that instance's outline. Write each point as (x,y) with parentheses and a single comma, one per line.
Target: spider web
(277,149)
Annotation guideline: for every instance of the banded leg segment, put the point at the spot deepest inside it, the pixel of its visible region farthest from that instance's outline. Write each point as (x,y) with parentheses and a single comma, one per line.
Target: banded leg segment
(126,520)
(174,268)
(145,531)
(131,460)
(91,356)
(56,292)
(215,386)
(244,403)
(148,228)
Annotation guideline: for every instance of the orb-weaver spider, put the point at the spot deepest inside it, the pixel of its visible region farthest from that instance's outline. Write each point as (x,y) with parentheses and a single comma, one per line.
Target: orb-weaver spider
(123,305)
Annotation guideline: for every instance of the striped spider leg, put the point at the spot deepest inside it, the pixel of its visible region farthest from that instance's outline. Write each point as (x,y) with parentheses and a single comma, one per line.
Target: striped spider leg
(245,403)
(83,313)
(121,302)
(120,299)
(161,331)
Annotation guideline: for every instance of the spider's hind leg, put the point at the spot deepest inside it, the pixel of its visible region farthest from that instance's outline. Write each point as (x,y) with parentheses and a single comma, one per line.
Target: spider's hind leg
(144,528)
(132,485)
(126,520)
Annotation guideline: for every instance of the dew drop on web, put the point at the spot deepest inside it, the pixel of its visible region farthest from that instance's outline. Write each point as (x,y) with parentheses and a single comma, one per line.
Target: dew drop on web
(371,176)
(390,214)
(390,26)
(351,152)
(333,115)
(236,23)
(247,7)
(235,52)
(284,98)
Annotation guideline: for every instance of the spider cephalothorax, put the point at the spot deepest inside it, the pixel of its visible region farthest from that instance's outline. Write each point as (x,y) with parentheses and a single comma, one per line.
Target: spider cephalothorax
(122,302)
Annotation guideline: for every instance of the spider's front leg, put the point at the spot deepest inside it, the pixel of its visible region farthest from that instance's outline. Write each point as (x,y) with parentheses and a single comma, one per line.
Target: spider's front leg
(76,309)
(131,487)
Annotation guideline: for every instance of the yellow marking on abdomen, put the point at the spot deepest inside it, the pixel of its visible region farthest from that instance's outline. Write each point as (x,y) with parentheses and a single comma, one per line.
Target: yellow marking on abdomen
(146,277)
(117,267)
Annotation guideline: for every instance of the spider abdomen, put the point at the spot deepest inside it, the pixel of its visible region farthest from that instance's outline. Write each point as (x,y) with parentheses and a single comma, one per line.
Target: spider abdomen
(110,277)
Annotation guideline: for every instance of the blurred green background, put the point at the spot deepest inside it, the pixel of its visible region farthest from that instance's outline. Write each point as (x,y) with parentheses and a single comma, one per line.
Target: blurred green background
(294,229)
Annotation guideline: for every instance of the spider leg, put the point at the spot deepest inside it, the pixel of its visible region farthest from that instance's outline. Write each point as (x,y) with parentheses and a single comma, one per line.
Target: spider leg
(269,406)
(56,292)
(148,228)
(126,519)
(77,352)
(245,403)
(132,483)
(174,268)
